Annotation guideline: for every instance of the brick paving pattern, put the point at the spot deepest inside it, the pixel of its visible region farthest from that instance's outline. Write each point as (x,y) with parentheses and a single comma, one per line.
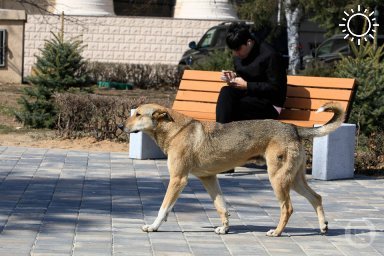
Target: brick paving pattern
(60,202)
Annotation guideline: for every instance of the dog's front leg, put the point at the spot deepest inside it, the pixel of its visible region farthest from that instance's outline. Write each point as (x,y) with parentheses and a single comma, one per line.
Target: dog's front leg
(175,186)
(212,185)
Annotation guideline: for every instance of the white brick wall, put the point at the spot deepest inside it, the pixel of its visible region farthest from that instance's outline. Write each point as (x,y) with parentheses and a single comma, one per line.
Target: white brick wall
(118,39)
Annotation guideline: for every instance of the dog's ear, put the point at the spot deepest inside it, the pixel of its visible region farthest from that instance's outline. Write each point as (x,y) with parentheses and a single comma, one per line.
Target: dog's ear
(162,115)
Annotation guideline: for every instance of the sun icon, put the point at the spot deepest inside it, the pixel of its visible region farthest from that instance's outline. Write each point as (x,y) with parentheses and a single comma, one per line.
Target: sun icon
(371,24)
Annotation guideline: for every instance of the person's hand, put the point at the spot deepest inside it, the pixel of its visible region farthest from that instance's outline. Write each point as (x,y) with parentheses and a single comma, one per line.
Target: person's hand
(239,83)
(227,76)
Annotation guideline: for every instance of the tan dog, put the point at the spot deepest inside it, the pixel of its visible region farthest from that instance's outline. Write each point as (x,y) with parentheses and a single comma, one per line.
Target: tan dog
(205,149)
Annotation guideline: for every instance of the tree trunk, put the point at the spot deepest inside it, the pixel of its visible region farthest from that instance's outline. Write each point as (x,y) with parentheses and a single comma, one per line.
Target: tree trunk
(293,14)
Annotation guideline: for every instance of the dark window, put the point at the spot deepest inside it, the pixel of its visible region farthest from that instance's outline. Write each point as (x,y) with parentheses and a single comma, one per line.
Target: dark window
(220,37)
(2,47)
(153,8)
(340,46)
(325,48)
(207,40)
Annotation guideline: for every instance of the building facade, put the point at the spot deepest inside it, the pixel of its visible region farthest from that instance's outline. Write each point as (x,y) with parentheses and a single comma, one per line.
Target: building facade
(112,38)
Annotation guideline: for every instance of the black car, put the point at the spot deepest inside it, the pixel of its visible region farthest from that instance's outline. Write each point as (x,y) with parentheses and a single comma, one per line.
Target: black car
(213,39)
(332,49)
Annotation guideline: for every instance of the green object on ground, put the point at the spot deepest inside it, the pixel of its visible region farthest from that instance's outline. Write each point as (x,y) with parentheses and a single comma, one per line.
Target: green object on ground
(116,85)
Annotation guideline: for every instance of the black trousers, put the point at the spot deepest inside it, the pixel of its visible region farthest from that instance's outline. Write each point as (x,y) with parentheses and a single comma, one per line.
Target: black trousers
(235,105)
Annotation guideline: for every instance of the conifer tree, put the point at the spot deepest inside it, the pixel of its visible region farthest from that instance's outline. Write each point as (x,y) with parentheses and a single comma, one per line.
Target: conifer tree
(58,68)
(60,64)
(368,69)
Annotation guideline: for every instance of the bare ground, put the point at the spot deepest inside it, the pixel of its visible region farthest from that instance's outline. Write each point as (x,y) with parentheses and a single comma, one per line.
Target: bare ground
(13,134)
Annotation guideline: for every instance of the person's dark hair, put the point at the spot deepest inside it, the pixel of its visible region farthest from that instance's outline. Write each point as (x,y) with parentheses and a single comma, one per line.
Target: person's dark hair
(238,34)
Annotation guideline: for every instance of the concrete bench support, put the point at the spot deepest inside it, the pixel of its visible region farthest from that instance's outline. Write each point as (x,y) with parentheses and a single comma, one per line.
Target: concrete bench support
(333,155)
(141,146)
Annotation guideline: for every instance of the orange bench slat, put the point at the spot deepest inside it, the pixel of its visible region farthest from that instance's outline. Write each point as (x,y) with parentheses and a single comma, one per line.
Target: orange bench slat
(323,82)
(199,85)
(304,115)
(307,103)
(199,115)
(315,93)
(197,106)
(201,75)
(197,96)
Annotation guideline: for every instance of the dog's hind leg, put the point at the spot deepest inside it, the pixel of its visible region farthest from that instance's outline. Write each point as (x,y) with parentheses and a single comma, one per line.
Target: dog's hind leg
(175,186)
(280,165)
(211,184)
(281,190)
(301,186)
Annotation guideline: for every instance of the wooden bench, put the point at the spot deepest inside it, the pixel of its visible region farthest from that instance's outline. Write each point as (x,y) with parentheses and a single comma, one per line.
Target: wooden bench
(199,90)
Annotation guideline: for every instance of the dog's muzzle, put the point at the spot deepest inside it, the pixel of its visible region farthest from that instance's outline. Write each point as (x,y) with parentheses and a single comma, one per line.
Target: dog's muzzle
(122,127)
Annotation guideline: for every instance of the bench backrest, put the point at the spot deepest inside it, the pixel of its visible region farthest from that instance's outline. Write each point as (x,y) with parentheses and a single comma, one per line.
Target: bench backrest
(199,90)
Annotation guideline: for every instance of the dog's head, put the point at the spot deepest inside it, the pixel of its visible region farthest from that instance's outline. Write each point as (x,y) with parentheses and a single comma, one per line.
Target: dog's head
(146,118)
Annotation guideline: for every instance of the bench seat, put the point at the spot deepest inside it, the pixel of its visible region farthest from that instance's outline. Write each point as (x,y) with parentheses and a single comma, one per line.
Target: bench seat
(199,90)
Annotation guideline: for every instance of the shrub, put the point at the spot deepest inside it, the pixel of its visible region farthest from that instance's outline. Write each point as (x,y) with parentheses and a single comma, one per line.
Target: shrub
(143,76)
(370,152)
(319,68)
(93,115)
(218,60)
(367,68)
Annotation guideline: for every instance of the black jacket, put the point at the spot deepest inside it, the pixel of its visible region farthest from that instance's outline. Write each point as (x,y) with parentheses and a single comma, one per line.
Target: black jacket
(265,73)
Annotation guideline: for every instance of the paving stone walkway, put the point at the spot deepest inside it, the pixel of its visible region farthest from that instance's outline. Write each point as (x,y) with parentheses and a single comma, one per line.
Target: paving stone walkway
(60,202)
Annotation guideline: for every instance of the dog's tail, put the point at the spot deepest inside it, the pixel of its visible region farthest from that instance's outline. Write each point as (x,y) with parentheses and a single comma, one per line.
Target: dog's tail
(329,127)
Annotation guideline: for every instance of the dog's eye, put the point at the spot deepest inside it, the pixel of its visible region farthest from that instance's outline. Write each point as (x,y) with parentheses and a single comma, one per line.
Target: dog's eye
(138,114)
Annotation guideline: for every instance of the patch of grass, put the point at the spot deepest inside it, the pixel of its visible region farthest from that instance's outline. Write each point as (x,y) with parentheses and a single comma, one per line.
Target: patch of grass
(42,134)
(7,110)
(4,129)
(37,134)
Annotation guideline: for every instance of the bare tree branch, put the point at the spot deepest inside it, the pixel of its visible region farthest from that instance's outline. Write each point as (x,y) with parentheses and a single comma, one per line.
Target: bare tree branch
(41,6)
(46,8)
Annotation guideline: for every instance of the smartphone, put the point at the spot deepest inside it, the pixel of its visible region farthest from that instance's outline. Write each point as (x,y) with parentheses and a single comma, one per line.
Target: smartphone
(228,75)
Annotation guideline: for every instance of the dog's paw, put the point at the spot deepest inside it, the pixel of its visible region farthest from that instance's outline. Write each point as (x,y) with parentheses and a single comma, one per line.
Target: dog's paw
(222,230)
(272,233)
(324,228)
(148,228)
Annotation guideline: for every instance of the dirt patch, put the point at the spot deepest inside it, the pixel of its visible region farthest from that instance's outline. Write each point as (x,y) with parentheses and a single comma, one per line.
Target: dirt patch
(12,134)
(86,144)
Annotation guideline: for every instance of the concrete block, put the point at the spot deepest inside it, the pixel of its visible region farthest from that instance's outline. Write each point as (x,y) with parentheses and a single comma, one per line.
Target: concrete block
(141,146)
(333,155)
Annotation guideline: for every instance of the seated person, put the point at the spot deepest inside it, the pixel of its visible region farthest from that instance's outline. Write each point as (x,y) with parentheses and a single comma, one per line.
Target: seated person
(257,89)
